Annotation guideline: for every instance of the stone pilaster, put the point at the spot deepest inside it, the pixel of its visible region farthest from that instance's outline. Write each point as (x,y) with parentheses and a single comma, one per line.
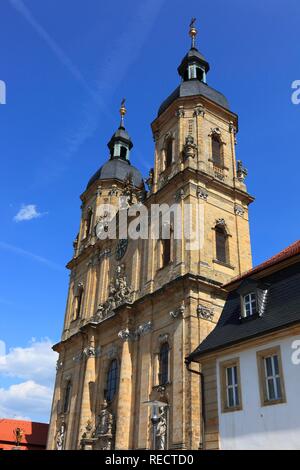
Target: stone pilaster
(123,417)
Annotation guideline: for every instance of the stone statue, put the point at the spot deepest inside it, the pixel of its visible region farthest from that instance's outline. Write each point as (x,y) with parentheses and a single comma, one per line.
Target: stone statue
(89,431)
(241,171)
(161,431)
(189,148)
(105,421)
(105,428)
(150,179)
(18,432)
(60,437)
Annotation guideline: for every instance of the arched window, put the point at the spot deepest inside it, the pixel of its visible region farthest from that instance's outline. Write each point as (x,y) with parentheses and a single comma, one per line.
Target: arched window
(200,74)
(123,152)
(78,301)
(112,380)
(88,223)
(67,396)
(163,375)
(216,150)
(221,244)
(166,251)
(169,152)
(166,234)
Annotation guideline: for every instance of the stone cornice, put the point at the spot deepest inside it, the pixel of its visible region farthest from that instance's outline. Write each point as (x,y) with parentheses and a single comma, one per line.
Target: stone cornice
(210,106)
(194,278)
(206,178)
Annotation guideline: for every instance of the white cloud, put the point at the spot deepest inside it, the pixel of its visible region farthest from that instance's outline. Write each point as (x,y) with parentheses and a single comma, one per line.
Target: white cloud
(27,212)
(35,362)
(35,365)
(27,400)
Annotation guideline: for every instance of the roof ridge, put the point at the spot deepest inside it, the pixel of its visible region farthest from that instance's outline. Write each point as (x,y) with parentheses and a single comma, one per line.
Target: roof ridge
(291,250)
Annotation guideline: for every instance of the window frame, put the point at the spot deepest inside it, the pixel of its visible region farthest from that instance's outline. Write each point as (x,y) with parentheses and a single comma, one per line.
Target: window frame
(219,229)
(261,357)
(217,139)
(251,314)
(115,380)
(67,397)
(78,302)
(168,152)
(223,367)
(166,364)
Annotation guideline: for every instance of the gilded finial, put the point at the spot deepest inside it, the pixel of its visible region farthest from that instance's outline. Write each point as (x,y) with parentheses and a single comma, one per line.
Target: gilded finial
(193,32)
(123,111)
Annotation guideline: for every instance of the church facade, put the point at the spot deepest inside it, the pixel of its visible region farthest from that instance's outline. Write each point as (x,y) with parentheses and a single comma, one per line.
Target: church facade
(137,307)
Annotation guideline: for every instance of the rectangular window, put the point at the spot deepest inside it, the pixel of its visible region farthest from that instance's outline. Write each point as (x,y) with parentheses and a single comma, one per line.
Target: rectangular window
(271,377)
(250,307)
(230,386)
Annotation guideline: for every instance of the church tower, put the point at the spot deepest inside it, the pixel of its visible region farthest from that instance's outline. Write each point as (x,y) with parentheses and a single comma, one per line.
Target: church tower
(137,307)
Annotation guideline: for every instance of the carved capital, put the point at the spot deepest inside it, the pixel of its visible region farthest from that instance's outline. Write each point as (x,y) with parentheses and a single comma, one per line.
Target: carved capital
(114,190)
(180,112)
(126,335)
(179,195)
(202,193)
(239,210)
(156,136)
(199,110)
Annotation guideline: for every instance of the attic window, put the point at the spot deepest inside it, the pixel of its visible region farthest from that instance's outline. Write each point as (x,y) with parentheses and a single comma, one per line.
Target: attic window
(249,305)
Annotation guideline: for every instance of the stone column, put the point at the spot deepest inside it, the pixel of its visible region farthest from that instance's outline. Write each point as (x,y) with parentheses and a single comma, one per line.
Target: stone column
(87,401)
(55,402)
(201,140)
(123,417)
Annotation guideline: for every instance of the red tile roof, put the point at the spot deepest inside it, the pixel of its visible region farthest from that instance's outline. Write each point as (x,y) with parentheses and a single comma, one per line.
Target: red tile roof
(34,434)
(289,252)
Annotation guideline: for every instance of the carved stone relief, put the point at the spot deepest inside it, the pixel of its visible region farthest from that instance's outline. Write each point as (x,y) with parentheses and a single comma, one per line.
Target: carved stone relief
(119,293)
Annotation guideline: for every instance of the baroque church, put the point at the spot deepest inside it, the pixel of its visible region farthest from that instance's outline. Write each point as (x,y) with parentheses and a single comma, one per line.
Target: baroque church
(137,308)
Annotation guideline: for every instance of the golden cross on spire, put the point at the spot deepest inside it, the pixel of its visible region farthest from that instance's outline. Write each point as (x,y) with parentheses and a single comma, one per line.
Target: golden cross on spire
(193,32)
(123,111)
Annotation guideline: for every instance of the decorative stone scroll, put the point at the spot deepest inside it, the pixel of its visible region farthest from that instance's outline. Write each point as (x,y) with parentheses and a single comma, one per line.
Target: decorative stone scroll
(87,352)
(178,312)
(205,313)
(132,335)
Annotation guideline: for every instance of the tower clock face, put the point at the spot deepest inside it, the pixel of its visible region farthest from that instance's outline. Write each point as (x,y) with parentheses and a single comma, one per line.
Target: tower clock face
(121,248)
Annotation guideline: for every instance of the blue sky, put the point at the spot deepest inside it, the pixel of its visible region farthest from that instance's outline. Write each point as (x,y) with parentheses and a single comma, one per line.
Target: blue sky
(66,65)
